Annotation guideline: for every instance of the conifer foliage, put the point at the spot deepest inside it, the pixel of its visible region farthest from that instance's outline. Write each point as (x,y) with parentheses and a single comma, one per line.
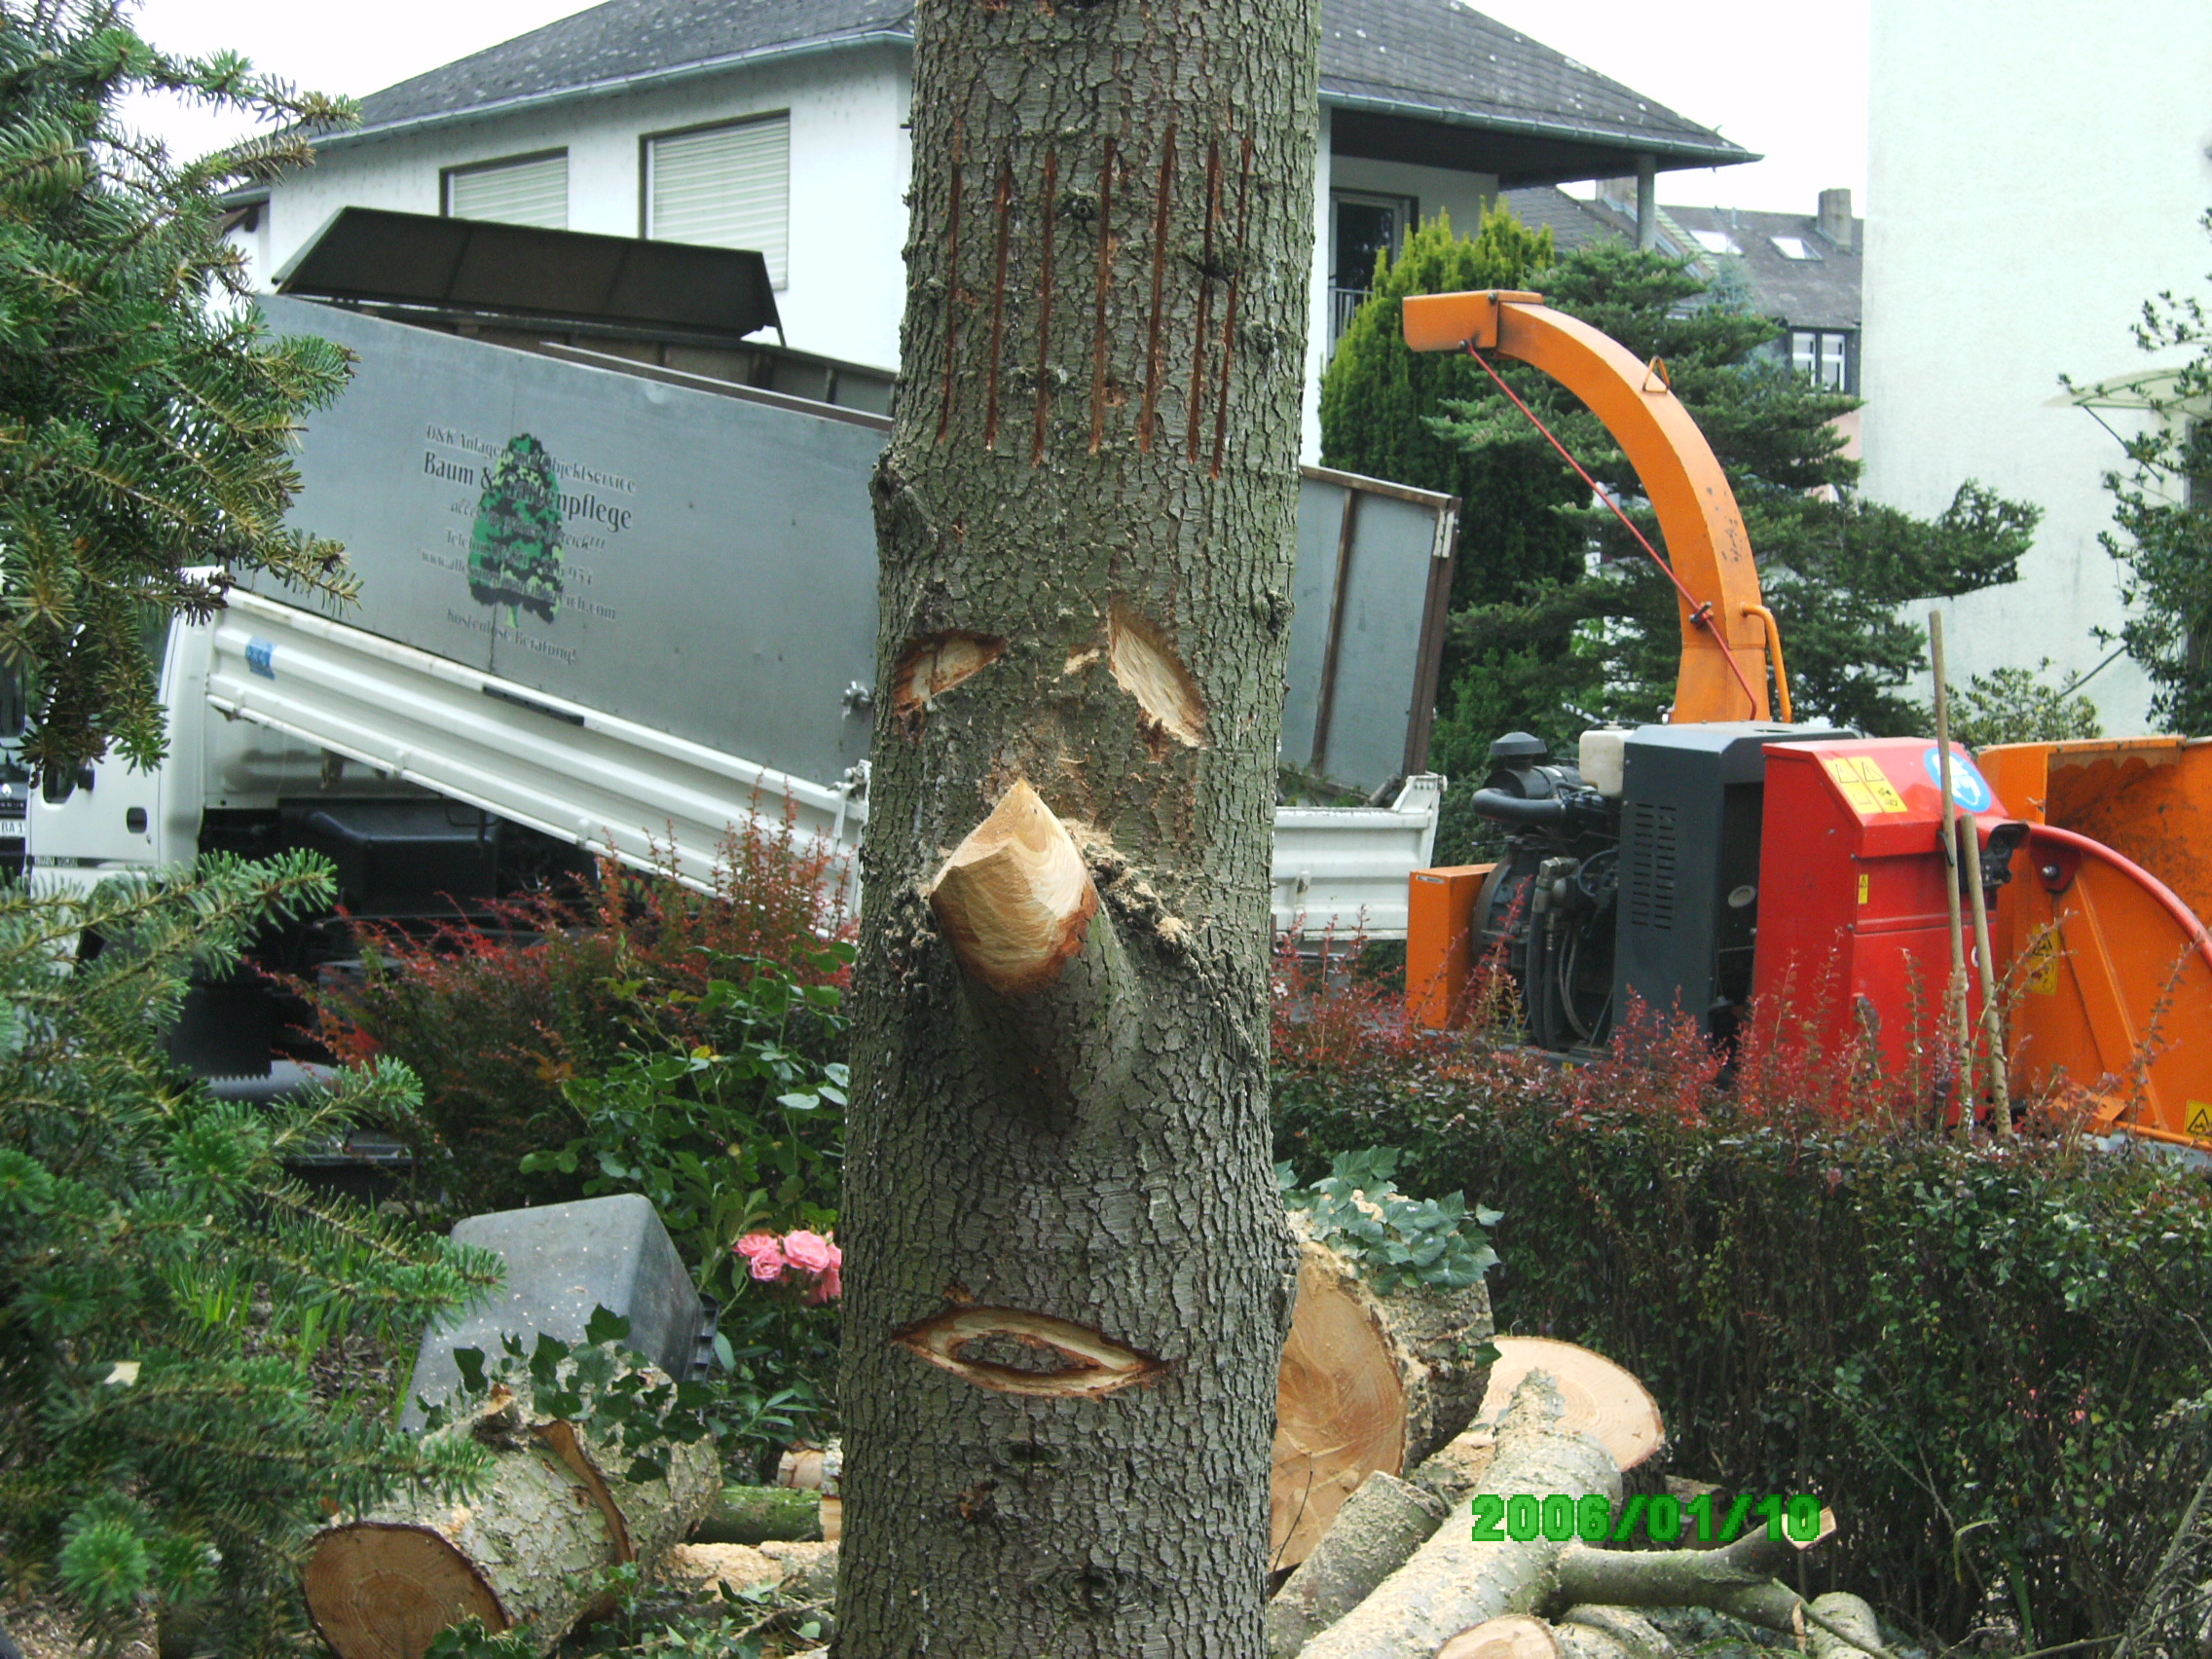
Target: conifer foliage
(2162,513)
(164,1287)
(143,410)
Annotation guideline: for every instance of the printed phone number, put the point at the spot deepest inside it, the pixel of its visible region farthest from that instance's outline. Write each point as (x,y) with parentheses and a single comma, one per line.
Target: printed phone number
(1525,1517)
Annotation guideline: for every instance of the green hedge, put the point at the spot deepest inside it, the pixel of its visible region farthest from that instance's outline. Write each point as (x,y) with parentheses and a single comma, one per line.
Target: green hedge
(1993,1362)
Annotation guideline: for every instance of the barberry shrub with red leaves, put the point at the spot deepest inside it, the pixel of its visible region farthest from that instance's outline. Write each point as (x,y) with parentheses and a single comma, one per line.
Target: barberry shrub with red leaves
(1990,1358)
(498,1020)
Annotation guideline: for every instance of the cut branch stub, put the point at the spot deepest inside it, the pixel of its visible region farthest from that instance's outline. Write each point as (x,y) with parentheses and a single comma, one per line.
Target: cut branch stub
(932,664)
(1010,1352)
(1147,668)
(1015,898)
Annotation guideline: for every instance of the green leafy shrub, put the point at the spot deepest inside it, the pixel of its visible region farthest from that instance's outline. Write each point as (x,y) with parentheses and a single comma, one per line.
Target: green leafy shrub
(2016,705)
(166,1290)
(1987,1358)
(500,1022)
(1400,1241)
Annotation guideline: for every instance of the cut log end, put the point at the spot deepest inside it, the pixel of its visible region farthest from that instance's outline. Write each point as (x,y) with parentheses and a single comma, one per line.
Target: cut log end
(1015,898)
(1513,1637)
(1340,1411)
(378,1591)
(1601,1398)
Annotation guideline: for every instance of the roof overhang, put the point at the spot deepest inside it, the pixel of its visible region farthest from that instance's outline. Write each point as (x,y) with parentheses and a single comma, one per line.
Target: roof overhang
(615,86)
(375,257)
(1391,124)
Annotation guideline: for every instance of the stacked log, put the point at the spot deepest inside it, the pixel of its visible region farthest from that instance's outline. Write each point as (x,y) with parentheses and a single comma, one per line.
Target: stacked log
(1368,1383)
(531,1551)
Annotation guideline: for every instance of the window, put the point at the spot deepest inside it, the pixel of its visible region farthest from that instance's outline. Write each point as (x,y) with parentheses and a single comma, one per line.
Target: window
(1715,242)
(522,190)
(1823,356)
(1793,247)
(724,187)
(1360,227)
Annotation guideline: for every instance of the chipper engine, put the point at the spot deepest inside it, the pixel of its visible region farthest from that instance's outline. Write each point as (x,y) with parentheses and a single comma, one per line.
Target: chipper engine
(1727,860)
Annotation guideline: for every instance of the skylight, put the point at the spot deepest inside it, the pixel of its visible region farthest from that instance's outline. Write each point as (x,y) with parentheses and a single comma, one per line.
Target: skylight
(1793,247)
(1715,242)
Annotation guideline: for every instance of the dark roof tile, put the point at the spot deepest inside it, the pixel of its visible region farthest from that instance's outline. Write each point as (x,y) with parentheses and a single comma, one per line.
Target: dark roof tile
(1433,58)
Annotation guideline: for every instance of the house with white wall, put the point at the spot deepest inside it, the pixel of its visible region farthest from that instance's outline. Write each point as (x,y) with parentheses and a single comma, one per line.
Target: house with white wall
(2036,171)
(779,125)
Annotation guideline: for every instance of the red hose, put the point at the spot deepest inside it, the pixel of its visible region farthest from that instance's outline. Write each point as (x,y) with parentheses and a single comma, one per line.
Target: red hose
(2168,899)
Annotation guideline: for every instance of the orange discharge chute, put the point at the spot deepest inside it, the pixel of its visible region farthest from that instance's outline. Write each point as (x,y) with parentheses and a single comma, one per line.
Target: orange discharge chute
(1698,520)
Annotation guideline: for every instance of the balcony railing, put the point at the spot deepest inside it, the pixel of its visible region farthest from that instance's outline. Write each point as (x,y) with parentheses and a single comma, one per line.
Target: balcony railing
(1342,302)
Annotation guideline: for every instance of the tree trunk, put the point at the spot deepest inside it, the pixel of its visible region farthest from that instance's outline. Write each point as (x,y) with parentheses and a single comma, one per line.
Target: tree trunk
(1069,1279)
(532,1549)
(758,1515)
(1367,1382)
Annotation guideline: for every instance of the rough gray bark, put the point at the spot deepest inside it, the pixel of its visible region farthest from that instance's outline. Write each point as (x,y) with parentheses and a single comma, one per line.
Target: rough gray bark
(1068,1279)
(1452,1583)
(1380,1525)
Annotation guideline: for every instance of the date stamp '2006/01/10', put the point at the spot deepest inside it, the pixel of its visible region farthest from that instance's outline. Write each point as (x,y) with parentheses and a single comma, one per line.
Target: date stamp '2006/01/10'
(1665,1519)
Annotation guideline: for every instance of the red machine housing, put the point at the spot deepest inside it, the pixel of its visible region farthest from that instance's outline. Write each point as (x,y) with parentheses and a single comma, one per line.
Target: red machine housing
(1854,937)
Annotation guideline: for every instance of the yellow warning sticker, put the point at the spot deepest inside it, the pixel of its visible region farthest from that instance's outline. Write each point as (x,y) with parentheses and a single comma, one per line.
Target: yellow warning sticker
(2042,964)
(2200,1119)
(1864,881)
(1860,777)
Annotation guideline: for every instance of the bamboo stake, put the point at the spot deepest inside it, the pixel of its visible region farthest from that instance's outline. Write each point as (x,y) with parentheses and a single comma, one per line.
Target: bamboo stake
(1956,998)
(1992,1017)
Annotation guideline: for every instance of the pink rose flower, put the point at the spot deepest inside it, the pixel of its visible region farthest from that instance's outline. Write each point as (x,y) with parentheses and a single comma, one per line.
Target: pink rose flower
(763,1256)
(810,1251)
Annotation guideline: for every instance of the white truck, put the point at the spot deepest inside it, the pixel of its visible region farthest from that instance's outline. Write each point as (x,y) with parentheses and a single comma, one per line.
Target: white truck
(619,592)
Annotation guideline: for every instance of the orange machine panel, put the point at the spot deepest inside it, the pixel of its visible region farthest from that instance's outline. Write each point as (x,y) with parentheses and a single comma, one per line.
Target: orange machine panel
(1854,932)
(2148,799)
(1439,943)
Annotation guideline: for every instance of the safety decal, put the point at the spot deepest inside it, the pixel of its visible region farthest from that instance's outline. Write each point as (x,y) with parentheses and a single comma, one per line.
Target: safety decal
(2200,1119)
(261,658)
(1859,778)
(2041,964)
(1866,883)
(1967,787)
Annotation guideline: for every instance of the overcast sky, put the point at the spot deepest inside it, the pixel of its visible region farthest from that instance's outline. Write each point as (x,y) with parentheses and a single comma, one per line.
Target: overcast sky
(1788,81)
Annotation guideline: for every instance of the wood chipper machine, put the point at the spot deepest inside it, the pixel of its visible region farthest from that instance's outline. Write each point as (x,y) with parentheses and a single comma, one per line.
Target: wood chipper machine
(1735,856)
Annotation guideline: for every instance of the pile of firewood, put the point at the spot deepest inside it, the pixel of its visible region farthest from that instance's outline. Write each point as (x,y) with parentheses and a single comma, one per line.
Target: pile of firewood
(1400,1444)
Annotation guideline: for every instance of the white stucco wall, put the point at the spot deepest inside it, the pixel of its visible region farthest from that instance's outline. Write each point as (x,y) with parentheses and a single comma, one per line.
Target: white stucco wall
(2037,170)
(1461,195)
(849,158)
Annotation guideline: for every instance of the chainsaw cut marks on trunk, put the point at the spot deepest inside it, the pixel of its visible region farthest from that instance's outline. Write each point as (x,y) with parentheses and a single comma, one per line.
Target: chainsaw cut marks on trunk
(934,663)
(1057,1358)
(1147,668)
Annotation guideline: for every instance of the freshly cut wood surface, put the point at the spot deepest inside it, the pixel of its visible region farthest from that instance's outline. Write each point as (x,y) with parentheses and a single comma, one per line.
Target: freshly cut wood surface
(1015,896)
(1516,1635)
(1601,1398)
(1367,1382)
